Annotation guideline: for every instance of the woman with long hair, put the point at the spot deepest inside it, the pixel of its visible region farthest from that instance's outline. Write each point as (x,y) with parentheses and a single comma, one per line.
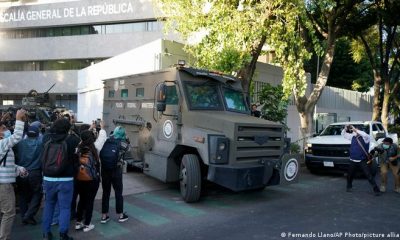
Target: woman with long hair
(88,176)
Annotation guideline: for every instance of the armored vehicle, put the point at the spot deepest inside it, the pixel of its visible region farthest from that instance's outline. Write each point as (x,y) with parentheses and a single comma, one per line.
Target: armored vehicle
(188,125)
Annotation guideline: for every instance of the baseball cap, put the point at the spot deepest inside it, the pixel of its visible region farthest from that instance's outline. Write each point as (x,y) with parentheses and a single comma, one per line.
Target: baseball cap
(33,131)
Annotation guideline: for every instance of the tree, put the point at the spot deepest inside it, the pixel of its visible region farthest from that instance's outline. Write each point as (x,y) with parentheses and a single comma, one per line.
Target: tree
(219,44)
(348,74)
(231,35)
(381,45)
(273,109)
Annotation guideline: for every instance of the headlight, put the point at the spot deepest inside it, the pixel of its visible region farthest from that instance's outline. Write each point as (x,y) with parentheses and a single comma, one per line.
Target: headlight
(218,149)
(221,146)
(308,148)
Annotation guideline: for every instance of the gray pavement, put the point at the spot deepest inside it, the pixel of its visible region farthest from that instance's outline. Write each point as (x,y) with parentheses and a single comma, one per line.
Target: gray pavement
(317,205)
(136,182)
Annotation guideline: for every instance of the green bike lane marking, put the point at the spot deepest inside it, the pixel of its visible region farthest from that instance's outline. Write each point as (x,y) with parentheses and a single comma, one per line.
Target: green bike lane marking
(142,215)
(109,229)
(208,201)
(175,206)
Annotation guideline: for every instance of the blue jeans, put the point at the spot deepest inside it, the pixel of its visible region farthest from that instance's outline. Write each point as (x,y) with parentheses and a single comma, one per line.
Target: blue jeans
(57,192)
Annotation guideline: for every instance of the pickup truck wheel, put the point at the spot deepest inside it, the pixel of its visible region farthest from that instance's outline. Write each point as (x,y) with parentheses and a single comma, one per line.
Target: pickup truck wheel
(190,178)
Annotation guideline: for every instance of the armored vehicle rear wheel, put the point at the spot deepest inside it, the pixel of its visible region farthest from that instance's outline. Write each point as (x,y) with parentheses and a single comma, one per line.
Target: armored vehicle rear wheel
(190,178)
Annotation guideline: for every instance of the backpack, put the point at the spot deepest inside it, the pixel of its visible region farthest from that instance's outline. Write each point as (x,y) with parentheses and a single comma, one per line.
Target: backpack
(112,153)
(54,158)
(87,170)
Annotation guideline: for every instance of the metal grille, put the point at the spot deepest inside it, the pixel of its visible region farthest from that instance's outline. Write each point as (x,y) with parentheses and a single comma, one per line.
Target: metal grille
(331,150)
(258,143)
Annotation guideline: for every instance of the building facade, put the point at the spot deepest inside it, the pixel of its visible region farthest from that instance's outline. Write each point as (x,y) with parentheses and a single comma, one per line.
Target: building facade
(46,42)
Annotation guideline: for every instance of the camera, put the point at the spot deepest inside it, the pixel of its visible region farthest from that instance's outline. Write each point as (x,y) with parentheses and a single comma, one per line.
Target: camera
(349,129)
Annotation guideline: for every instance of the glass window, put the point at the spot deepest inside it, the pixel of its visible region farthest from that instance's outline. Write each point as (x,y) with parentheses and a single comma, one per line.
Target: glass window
(337,129)
(124,93)
(374,127)
(66,31)
(97,29)
(234,100)
(203,96)
(111,93)
(58,32)
(140,92)
(84,30)
(50,32)
(139,27)
(380,127)
(172,96)
(76,30)
(8,102)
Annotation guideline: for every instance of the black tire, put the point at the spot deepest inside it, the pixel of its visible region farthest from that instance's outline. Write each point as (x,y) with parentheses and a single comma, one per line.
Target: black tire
(190,178)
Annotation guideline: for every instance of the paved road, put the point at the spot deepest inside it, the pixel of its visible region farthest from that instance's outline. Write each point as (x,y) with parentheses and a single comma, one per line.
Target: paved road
(317,205)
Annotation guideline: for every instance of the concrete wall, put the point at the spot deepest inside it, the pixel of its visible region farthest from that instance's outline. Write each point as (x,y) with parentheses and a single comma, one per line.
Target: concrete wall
(341,103)
(67,47)
(75,13)
(73,47)
(153,56)
(23,82)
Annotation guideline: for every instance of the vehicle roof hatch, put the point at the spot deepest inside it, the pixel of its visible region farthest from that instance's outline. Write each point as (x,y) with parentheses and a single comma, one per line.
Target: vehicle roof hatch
(213,75)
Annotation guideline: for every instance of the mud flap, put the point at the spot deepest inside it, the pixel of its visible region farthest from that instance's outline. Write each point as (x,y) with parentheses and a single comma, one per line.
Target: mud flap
(289,172)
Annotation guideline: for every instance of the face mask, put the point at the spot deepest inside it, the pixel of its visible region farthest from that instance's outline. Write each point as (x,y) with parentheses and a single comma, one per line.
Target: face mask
(384,146)
(6,134)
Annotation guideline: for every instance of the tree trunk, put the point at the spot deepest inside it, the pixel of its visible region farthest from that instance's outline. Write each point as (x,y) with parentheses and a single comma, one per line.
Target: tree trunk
(306,106)
(247,72)
(306,123)
(377,95)
(385,105)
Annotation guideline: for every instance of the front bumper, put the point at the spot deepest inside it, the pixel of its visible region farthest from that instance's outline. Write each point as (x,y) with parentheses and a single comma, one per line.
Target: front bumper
(326,162)
(257,175)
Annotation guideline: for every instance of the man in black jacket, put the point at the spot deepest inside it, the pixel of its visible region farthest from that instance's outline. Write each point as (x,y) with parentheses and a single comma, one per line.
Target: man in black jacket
(59,187)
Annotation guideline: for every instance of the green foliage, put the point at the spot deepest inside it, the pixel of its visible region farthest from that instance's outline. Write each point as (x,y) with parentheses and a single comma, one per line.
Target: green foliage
(294,148)
(222,35)
(348,74)
(394,129)
(274,103)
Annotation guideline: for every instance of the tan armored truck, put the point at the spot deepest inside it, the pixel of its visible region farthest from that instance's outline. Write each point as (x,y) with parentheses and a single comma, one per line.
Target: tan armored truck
(189,125)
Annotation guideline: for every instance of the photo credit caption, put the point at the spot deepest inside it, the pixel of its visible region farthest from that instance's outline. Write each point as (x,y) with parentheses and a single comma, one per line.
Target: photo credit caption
(361,235)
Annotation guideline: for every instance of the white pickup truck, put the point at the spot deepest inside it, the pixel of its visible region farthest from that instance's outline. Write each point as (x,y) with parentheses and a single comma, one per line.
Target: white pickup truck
(330,151)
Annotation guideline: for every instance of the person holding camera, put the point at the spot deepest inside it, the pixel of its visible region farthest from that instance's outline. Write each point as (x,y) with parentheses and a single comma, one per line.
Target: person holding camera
(111,156)
(387,151)
(358,156)
(8,172)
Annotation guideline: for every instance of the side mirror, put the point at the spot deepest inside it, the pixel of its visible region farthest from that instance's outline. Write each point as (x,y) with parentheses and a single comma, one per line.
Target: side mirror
(379,135)
(315,134)
(161,97)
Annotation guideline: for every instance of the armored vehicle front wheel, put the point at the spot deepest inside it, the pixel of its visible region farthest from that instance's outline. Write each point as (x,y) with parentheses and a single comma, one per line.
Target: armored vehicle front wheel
(190,178)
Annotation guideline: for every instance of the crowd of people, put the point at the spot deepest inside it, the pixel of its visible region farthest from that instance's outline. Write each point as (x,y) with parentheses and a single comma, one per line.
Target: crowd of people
(65,164)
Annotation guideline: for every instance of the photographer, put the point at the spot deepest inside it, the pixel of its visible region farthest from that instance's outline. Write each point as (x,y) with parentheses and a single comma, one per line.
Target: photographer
(8,172)
(387,151)
(358,156)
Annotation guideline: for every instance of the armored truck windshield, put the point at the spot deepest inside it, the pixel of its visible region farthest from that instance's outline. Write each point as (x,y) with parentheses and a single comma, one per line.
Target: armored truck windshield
(211,95)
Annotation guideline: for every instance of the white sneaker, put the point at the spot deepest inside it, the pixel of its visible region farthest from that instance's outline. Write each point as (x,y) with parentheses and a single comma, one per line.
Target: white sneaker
(383,189)
(87,228)
(79,226)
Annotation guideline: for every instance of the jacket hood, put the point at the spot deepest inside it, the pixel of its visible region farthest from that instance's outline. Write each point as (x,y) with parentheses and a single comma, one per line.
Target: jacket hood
(57,137)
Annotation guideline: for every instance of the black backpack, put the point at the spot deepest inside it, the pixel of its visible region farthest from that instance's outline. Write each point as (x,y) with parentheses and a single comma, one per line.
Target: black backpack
(112,153)
(54,158)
